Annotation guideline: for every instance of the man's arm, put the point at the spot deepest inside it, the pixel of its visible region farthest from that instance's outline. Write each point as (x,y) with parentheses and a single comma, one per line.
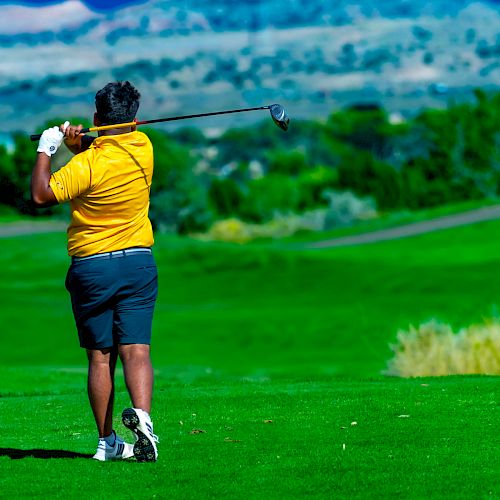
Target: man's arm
(41,192)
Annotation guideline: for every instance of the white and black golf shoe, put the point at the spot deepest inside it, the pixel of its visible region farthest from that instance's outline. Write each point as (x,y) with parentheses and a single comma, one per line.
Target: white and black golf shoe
(139,422)
(119,451)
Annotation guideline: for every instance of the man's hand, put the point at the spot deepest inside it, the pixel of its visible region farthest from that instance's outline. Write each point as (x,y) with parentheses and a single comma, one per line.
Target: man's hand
(74,140)
(51,139)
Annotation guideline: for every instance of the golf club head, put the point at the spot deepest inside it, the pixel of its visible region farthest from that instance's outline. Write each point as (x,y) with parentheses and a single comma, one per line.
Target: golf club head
(279,116)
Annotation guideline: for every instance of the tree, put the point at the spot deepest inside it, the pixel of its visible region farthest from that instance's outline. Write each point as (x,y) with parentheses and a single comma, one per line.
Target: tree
(8,190)
(269,195)
(23,160)
(179,199)
(225,196)
(282,161)
(365,175)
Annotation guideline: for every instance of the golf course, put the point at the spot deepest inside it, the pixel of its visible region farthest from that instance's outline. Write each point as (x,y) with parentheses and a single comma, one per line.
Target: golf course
(269,365)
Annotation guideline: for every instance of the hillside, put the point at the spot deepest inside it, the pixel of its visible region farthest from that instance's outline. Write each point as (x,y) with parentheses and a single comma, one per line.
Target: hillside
(310,56)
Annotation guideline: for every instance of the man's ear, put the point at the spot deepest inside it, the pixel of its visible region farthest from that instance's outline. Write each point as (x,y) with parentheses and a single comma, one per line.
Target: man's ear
(97,122)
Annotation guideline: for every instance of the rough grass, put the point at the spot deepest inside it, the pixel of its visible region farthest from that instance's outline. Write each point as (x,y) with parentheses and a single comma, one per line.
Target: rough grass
(434,349)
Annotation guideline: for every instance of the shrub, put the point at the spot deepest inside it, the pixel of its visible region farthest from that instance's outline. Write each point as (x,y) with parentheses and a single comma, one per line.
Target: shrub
(174,211)
(233,230)
(237,231)
(312,184)
(346,208)
(433,349)
(269,195)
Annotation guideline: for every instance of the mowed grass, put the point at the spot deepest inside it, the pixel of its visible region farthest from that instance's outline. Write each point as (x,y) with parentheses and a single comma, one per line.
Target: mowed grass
(268,439)
(273,352)
(257,310)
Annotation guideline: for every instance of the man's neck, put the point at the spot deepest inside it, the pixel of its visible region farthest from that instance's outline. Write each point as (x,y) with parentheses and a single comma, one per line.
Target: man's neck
(115,131)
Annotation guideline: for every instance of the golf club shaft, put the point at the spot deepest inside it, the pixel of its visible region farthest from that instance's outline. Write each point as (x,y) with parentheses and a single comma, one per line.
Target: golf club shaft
(36,137)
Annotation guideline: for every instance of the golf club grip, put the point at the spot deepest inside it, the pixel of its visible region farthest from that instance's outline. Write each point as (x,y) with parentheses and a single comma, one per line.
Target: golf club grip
(36,137)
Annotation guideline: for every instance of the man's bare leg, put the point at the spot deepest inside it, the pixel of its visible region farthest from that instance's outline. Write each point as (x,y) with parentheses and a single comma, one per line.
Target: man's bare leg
(101,387)
(138,373)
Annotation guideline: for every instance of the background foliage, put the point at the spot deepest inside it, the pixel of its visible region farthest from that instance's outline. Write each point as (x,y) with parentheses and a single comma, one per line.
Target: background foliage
(256,174)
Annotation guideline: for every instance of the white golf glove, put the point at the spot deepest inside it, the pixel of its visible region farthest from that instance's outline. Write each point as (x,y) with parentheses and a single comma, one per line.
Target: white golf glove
(51,140)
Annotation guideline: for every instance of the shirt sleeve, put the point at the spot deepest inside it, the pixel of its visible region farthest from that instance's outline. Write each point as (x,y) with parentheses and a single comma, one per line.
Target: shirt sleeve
(71,180)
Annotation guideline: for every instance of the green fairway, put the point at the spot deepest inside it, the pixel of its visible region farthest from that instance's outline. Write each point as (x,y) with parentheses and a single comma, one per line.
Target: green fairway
(273,351)
(259,310)
(240,438)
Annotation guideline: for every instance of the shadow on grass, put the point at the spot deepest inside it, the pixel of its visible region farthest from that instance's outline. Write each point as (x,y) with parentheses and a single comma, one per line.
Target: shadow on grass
(39,453)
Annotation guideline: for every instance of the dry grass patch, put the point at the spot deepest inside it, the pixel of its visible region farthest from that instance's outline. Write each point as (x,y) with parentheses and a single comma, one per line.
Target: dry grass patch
(434,349)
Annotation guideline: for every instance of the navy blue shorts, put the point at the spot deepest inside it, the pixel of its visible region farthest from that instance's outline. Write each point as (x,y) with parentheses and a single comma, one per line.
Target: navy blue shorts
(113,298)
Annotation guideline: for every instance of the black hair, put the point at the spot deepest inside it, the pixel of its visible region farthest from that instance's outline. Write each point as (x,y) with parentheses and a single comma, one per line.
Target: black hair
(117,102)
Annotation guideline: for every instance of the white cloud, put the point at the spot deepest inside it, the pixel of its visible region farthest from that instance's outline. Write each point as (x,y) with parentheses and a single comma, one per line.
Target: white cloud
(23,19)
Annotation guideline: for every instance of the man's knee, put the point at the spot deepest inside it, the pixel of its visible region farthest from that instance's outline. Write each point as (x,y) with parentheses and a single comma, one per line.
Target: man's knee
(101,356)
(134,352)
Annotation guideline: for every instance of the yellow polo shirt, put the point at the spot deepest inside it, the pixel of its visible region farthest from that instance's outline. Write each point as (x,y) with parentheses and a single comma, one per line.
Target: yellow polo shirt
(108,188)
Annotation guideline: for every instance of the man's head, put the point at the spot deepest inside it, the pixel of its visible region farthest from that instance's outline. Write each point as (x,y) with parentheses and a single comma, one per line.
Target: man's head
(117,102)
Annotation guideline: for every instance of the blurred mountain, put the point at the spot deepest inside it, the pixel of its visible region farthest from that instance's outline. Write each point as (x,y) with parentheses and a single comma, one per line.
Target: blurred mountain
(191,56)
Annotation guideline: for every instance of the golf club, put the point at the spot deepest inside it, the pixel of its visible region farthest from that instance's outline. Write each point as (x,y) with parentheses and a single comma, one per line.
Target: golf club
(278,114)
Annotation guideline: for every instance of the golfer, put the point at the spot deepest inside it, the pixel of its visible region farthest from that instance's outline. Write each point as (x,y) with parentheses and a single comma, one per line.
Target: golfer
(112,279)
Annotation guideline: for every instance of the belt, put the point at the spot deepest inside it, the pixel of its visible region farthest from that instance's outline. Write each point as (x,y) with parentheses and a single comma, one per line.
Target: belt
(113,255)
